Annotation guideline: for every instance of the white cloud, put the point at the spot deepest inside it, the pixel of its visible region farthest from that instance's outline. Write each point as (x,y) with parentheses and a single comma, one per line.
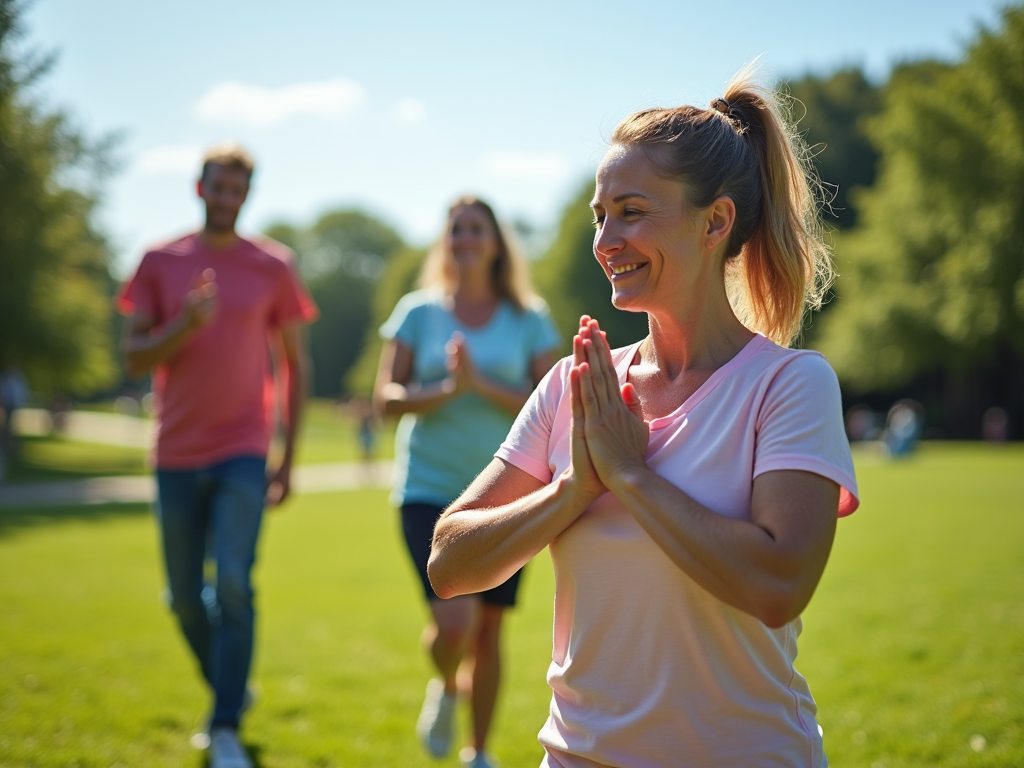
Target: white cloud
(539,166)
(239,103)
(170,158)
(410,111)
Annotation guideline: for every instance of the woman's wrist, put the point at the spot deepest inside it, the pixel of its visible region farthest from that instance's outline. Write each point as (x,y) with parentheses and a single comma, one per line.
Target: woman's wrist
(627,479)
(576,496)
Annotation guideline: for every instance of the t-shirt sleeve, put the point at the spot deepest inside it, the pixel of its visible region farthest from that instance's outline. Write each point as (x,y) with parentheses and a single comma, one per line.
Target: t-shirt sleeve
(526,446)
(800,427)
(292,304)
(402,324)
(138,295)
(543,336)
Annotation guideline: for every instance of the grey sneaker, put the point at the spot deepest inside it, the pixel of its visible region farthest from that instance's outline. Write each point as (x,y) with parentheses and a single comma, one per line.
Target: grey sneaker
(226,751)
(437,719)
(470,758)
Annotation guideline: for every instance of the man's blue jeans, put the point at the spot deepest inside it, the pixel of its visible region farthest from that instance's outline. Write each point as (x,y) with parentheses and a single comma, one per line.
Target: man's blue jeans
(214,511)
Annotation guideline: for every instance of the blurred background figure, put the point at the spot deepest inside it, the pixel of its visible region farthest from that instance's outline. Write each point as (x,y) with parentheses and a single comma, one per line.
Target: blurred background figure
(861,424)
(904,426)
(14,394)
(360,410)
(200,311)
(461,357)
(995,425)
(60,407)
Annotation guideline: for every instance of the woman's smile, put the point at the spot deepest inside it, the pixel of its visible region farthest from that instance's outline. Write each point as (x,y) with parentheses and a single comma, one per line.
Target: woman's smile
(621,270)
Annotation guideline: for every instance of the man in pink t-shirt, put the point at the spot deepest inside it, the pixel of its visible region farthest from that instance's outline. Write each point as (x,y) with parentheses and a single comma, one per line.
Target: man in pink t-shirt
(205,312)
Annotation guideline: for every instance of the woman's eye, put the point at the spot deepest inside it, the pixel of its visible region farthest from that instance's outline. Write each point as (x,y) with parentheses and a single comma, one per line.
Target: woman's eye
(597,221)
(631,212)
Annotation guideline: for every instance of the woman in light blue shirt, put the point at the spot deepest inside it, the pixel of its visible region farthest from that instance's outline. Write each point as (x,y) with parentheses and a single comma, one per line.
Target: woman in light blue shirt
(461,356)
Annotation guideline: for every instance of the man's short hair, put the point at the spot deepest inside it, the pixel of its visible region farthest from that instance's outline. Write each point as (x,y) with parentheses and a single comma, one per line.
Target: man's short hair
(230,154)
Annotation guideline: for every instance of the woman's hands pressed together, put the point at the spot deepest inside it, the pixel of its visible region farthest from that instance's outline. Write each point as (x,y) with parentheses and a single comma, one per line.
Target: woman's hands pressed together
(460,366)
(609,435)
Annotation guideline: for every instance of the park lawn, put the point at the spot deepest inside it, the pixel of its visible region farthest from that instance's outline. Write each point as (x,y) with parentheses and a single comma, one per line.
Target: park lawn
(914,641)
(95,674)
(331,433)
(913,644)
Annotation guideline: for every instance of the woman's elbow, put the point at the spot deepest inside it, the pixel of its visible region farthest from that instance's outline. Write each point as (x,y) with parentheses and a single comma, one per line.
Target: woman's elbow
(440,577)
(389,400)
(778,606)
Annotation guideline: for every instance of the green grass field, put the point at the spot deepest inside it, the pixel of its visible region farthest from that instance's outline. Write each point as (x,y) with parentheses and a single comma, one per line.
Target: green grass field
(913,644)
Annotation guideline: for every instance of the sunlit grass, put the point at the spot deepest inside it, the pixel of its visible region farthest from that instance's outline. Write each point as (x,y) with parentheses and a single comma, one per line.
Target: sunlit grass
(331,433)
(913,644)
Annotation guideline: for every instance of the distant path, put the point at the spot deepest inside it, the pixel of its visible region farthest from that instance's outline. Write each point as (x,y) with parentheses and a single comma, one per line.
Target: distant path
(309,478)
(133,432)
(90,426)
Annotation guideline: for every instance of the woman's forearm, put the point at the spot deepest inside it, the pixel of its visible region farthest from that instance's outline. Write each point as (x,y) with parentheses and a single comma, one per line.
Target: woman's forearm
(396,399)
(506,398)
(478,546)
(767,570)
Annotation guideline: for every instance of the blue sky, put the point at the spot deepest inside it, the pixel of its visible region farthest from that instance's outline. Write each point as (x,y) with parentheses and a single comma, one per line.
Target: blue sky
(398,107)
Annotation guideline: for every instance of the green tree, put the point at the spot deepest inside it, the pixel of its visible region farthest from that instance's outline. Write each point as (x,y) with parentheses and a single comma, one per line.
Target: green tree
(342,256)
(573,284)
(56,320)
(933,278)
(833,111)
(398,280)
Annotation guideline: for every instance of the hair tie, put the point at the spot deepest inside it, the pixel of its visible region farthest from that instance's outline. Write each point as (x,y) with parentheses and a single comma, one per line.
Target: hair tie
(729,110)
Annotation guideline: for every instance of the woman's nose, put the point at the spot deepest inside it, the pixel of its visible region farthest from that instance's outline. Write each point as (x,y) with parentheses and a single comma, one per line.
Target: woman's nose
(607,240)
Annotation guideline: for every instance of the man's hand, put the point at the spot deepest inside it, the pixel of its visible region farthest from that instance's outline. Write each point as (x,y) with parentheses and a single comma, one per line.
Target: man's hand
(201,301)
(279,485)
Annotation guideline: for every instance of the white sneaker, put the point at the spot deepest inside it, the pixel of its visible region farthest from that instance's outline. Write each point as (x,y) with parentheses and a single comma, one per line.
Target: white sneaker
(201,740)
(437,719)
(226,751)
(470,758)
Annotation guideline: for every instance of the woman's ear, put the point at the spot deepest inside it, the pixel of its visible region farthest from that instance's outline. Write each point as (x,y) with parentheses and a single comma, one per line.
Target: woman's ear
(719,218)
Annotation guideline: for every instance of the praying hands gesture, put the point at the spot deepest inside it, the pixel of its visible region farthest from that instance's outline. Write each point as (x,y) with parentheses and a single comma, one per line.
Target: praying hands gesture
(609,434)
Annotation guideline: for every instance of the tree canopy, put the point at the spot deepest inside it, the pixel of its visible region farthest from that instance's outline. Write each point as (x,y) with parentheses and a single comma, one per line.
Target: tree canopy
(832,112)
(342,256)
(933,276)
(398,280)
(55,297)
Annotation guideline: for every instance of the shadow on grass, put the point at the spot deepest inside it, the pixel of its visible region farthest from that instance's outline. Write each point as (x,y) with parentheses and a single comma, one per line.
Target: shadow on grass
(54,458)
(16,520)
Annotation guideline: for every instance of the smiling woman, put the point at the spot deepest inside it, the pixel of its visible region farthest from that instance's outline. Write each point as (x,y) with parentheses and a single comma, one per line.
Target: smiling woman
(460,360)
(687,486)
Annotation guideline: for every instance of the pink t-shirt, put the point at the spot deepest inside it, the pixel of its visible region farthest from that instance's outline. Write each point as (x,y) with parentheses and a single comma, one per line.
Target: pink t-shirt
(648,668)
(215,396)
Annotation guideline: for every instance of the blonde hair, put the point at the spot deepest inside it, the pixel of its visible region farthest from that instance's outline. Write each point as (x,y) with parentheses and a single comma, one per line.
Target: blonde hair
(509,277)
(230,154)
(744,148)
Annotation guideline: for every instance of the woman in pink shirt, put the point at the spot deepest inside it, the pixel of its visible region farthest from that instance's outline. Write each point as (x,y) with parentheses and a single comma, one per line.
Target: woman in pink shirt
(687,486)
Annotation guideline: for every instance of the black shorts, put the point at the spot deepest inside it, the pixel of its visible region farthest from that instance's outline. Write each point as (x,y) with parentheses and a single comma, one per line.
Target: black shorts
(418,521)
